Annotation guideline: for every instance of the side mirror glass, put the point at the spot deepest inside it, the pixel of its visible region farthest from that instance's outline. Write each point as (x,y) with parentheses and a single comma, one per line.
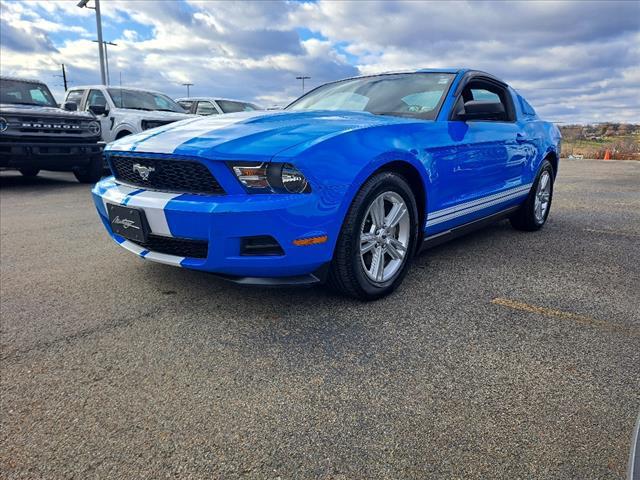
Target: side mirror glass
(71,106)
(98,109)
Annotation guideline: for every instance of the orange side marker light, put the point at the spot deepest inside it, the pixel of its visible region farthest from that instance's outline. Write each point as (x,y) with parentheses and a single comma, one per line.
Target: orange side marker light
(303,242)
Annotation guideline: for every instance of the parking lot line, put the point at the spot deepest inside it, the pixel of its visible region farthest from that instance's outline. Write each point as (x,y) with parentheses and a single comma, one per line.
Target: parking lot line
(551,312)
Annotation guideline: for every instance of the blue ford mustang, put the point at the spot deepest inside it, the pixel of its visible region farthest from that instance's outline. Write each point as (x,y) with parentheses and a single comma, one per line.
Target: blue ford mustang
(344,185)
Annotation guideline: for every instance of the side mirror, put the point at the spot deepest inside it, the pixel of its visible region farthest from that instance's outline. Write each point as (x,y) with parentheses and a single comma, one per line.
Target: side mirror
(98,109)
(71,106)
(481,110)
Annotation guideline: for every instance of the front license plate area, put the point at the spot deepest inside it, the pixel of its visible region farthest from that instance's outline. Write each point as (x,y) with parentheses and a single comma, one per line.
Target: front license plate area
(128,222)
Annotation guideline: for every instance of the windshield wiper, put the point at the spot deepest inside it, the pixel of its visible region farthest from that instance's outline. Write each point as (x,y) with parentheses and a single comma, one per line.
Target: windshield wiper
(166,110)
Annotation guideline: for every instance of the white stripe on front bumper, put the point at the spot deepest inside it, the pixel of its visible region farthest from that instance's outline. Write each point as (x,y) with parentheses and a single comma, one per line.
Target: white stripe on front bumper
(153,204)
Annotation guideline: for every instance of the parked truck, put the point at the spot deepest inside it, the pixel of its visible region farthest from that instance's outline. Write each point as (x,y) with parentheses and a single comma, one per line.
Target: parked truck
(35,134)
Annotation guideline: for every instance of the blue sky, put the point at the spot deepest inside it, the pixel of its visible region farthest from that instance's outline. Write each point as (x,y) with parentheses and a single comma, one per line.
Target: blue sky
(575,61)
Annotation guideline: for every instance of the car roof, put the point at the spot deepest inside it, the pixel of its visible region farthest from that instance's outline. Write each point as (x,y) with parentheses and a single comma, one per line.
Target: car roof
(21,79)
(118,87)
(210,99)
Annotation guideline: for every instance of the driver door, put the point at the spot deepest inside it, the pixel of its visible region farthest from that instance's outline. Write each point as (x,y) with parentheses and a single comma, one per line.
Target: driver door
(97,98)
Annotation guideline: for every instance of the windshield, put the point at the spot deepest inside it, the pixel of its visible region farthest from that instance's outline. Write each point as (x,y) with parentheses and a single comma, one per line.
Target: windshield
(417,95)
(229,106)
(25,93)
(141,100)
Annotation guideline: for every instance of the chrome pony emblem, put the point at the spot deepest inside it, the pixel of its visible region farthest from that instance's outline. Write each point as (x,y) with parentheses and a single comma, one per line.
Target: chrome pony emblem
(143,171)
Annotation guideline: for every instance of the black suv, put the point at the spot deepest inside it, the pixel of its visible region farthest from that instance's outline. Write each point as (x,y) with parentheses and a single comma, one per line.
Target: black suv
(37,135)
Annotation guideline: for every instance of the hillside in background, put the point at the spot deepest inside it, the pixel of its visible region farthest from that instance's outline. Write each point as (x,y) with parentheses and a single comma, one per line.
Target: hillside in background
(622,140)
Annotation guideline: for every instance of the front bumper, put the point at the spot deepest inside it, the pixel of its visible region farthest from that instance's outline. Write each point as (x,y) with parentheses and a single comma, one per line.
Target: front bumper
(223,221)
(48,156)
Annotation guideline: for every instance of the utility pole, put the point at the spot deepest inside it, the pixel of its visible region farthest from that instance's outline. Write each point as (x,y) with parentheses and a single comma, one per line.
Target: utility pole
(64,77)
(83,4)
(303,78)
(106,57)
(188,85)
(120,78)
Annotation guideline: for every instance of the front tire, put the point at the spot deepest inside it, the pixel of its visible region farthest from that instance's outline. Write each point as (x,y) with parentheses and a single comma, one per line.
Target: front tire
(377,240)
(534,212)
(90,173)
(29,172)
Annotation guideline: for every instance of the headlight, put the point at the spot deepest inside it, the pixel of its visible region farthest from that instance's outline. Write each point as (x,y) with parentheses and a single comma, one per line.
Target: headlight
(270,177)
(94,128)
(147,124)
(3,124)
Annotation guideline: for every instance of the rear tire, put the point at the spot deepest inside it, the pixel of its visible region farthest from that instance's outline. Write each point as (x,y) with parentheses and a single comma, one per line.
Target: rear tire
(534,212)
(377,240)
(90,173)
(29,172)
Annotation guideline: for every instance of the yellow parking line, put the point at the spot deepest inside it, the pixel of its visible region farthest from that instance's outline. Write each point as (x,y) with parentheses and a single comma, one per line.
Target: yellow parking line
(550,312)
(613,232)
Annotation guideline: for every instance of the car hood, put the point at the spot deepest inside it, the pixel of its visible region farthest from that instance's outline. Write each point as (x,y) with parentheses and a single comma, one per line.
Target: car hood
(248,135)
(151,114)
(15,109)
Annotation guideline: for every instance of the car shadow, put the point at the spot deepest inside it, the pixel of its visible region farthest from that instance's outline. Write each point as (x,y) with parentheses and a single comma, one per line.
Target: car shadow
(10,180)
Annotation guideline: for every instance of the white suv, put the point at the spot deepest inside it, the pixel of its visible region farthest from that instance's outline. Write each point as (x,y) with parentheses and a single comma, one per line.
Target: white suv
(124,110)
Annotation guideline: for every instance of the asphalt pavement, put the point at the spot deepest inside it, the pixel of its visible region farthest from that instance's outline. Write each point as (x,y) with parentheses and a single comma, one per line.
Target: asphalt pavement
(503,355)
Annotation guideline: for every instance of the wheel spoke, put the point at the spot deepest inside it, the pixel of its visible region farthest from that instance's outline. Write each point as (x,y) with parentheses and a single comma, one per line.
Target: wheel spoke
(393,252)
(398,245)
(377,212)
(543,181)
(395,215)
(377,264)
(367,246)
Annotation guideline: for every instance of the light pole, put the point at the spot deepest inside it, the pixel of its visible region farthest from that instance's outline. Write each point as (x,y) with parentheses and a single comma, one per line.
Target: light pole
(106,57)
(83,4)
(303,78)
(187,85)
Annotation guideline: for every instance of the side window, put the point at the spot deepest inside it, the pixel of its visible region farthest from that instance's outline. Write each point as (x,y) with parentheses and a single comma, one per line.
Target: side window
(206,108)
(482,94)
(75,96)
(186,104)
(96,98)
(486,91)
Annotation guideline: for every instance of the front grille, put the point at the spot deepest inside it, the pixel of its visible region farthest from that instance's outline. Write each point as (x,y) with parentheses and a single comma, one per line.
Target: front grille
(180,247)
(185,176)
(51,126)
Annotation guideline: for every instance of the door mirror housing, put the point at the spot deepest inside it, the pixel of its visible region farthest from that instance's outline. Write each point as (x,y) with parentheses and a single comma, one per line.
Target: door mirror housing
(98,109)
(70,106)
(481,110)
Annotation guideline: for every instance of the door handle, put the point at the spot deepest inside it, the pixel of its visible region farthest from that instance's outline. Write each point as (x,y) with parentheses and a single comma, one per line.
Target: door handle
(521,137)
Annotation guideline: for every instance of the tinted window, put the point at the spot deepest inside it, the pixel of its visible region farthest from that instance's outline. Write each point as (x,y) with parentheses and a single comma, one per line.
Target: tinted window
(229,106)
(482,94)
(206,108)
(75,96)
(186,104)
(96,98)
(25,93)
(141,100)
(417,95)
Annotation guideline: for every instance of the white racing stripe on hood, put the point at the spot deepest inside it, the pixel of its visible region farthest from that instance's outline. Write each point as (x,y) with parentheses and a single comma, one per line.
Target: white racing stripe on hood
(168,141)
(153,204)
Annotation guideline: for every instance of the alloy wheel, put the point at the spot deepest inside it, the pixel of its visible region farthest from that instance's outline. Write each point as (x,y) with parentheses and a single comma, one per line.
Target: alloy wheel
(384,237)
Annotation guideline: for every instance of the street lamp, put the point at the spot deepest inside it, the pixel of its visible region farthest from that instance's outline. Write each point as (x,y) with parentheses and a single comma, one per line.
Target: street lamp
(187,85)
(83,4)
(106,57)
(303,78)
